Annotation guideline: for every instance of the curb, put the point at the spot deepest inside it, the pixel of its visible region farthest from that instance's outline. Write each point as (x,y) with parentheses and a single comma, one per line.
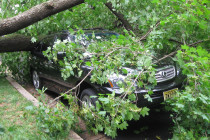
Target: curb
(35,102)
(22,91)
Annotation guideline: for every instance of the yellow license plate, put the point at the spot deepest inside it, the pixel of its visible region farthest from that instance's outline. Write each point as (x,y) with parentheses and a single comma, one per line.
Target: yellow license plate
(169,94)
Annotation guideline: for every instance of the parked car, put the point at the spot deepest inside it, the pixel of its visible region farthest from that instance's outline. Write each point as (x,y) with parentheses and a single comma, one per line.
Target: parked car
(47,73)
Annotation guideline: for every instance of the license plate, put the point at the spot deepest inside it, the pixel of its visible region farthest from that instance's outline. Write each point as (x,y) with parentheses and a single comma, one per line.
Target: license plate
(169,94)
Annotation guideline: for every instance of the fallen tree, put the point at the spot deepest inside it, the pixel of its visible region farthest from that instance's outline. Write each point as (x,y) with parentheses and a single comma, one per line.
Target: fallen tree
(16,42)
(35,14)
(39,12)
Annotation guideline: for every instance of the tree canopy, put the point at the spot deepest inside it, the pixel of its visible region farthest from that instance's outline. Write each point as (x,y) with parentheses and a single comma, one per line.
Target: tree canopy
(163,22)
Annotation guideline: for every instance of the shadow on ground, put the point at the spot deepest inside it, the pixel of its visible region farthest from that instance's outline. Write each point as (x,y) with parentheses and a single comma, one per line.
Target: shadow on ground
(155,126)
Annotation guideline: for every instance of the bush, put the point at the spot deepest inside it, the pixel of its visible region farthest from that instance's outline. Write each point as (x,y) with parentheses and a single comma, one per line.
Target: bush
(55,122)
(18,63)
(192,105)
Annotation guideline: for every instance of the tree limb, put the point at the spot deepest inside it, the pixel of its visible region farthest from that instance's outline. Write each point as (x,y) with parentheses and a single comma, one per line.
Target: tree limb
(195,43)
(15,43)
(192,44)
(35,14)
(120,16)
(150,30)
(176,41)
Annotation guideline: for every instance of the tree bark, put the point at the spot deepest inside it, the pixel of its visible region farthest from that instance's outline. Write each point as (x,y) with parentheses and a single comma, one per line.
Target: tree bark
(22,43)
(35,14)
(15,43)
(120,16)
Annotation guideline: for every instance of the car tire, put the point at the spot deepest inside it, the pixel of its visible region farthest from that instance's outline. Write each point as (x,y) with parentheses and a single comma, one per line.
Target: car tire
(36,80)
(85,98)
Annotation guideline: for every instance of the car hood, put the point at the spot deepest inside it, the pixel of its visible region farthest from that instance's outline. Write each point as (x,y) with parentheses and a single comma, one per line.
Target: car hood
(160,62)
(164,62)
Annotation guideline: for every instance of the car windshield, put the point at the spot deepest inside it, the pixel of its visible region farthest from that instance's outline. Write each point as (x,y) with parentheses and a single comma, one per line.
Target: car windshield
(102,36)
(95,37)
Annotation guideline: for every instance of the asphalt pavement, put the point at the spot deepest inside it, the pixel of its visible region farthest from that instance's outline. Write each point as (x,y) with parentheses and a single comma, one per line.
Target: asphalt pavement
(156,126)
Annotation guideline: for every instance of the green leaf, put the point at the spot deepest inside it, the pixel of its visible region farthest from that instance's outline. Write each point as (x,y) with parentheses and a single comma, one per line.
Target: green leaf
(155,1)
(144,111)
(105,100)
(80,73)
(100,127)
(124,71)
(33,39)
(29,108)
(129,116)
(185,47)
(132,97)
(123,125)
(88,63)
(103,113)
(146,96)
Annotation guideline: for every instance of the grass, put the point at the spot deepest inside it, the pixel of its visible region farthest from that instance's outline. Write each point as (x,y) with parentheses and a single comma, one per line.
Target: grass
(15,121)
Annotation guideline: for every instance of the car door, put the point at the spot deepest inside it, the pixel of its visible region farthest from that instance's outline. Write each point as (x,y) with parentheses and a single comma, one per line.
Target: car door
(52,70)
(38,61)
(64,84)
(45,67)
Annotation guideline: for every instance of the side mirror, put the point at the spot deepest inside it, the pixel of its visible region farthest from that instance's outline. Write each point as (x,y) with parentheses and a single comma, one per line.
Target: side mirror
(61,55)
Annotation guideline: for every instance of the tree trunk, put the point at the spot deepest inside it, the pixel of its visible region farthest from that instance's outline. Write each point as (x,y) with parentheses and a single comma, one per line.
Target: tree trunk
(15,43)
(35,14)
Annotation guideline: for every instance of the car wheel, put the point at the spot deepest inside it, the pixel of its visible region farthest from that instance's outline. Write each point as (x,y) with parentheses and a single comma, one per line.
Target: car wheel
(86,99)
(36,80)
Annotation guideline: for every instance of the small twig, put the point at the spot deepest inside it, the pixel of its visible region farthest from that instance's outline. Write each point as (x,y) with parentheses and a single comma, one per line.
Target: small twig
(200,41)
(176,41)
(132,84)
(115,50)
(120,17)
(124,95)
(72,88)
(150,30)
(172,53)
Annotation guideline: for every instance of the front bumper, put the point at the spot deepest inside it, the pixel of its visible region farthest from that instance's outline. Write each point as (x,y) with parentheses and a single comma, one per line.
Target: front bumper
(157,96)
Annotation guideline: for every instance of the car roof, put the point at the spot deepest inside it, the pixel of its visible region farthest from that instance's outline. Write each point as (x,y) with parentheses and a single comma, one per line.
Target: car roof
(90,31)
(86,31)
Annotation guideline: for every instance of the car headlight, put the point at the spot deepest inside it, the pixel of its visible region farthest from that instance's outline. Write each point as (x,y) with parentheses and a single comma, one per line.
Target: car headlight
(113,83)
(178,69)
(114,79)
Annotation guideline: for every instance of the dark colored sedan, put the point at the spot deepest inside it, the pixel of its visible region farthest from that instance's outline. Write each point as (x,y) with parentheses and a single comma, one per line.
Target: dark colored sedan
(47,73)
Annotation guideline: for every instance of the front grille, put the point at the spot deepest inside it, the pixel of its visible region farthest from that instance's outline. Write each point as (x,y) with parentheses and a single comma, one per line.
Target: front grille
(165,73)
(157,94)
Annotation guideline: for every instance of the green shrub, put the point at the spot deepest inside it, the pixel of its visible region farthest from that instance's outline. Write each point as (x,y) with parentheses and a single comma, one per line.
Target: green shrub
(55,122)
(192,105)
(18,63)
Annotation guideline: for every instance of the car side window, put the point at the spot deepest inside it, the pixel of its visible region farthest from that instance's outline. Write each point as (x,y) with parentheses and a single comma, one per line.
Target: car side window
(64,36)
(38,47)
(43,45)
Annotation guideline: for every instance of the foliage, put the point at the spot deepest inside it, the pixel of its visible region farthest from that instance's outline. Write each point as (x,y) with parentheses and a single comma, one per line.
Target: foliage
(181,21)
(54,122)
(111,112)
(192,105)
(18,64)
(2,129)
